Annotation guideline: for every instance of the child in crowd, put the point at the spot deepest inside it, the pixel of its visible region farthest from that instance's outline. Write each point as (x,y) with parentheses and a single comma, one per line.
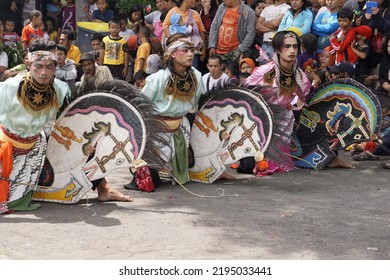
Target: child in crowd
(308,59)
(96,43)
(152,64)
(136,19)
(232,70)
(102,14)
(50,29)
(114,52)
(342,38)
(67,17)
(326,24)
(144,49)
(326,58)
(247,65)
(89,7)
(9,35)
(124,31)
(32,31)
(361,48)
(139,79)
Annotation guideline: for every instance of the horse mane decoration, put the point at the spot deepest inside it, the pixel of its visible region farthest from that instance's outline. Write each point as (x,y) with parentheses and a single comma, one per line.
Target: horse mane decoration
(231,124)
(117,121)
(338,114)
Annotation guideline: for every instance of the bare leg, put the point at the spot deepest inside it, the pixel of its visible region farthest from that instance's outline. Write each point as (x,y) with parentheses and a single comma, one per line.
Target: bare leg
(337,162)
(107,193)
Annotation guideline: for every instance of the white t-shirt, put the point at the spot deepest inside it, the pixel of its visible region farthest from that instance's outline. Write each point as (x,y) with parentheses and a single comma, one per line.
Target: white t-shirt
(209,82)
(270,13)
(4,59)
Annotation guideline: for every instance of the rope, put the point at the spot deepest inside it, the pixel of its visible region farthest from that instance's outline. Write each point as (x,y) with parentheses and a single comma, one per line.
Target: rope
(221,194)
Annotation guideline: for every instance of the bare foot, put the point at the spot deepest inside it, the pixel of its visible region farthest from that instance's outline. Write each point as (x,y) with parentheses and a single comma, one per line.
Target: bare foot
(107,193)
(336,162)
(226,176)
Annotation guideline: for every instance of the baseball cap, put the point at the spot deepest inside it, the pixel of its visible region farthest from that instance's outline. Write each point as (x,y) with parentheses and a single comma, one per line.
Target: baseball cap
(152,63)
(344,66)
(87,56)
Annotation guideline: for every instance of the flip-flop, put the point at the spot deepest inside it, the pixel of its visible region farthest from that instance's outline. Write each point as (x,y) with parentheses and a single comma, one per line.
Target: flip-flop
(386,164)
(365,156)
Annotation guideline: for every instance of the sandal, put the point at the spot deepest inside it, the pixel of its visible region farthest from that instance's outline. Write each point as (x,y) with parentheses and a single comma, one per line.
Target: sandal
(365,156)
(386,164)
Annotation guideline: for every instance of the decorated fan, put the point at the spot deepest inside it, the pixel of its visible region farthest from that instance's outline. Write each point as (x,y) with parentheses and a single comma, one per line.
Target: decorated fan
(234,123)
(338,114)
(113,125)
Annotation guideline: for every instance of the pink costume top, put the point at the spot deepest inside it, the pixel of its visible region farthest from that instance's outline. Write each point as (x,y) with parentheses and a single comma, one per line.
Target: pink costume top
(284,100)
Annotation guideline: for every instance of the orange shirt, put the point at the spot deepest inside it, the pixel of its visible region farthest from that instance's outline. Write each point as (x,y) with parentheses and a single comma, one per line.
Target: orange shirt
(29,34)
(228,32)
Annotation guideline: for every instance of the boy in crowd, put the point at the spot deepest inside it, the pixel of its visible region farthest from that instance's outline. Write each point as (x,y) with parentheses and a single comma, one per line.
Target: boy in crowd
(144,49)
(114,52)
(32,31)
(342,38)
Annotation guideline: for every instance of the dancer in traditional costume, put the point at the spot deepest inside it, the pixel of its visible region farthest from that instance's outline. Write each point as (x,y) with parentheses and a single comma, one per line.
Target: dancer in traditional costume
(27,104)
(176,90)
(294,86)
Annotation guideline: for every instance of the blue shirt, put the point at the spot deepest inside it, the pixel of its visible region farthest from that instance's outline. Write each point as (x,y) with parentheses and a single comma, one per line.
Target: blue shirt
(106,16)
(302,21)
(325,25)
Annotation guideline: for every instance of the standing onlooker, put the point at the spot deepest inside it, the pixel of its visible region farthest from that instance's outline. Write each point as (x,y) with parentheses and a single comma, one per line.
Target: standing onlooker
(326,24)
(66,39)
(361,48)
(3,59)
(144,49)
(96,43)
(152,20)
(102,14)
(32,31)
(268,24)
(342,38)
(384,77)
(298,16)
(232,30)
(12,9)
(67,17)
(216,78)
(308,59)
(192,22)
(114,52)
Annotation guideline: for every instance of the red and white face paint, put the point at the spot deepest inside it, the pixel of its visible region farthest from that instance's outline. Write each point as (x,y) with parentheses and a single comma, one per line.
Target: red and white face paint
(289,50)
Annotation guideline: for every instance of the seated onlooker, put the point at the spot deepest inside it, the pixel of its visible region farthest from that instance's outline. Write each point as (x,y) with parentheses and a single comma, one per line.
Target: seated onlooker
(21,68)
(216,77)
(96,43)
(308,59)
(3,58)
(94,74)
(247,65)
(232,70)
(66,69)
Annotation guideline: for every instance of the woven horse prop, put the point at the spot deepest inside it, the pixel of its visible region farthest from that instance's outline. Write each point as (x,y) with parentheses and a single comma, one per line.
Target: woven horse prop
(232,124)
(116,123)
(338,114)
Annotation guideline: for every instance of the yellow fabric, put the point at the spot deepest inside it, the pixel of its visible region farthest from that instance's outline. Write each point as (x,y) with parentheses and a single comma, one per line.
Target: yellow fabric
(16,144)
(113,51)
(74,54)
(94,26)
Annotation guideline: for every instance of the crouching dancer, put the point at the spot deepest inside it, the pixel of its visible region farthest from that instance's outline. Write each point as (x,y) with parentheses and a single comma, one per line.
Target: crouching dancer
(27,103)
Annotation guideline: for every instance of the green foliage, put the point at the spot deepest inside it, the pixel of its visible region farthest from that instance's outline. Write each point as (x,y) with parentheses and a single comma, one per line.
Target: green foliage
(124,6)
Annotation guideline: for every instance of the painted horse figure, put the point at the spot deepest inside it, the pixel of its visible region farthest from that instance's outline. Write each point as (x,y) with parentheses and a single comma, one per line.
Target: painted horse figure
(116,121)
(338,114)
(234,123)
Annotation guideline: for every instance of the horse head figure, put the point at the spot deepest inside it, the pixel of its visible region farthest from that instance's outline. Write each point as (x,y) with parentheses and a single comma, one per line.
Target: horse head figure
(337,114)
(99,132)
(234,123)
